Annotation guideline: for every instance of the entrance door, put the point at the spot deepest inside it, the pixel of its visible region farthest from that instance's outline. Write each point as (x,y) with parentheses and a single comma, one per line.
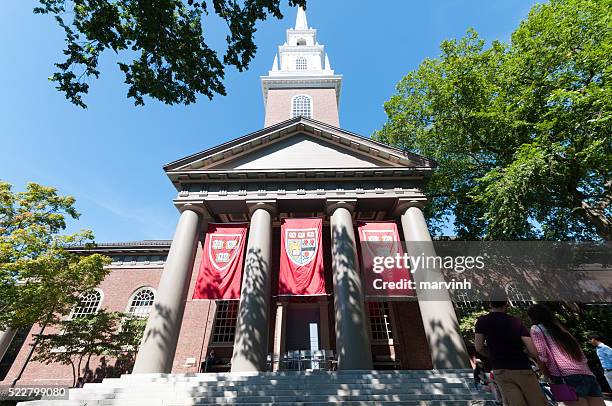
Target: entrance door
(302,328)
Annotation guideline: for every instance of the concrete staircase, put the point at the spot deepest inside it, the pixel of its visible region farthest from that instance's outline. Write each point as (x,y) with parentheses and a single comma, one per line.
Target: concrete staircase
(423,388)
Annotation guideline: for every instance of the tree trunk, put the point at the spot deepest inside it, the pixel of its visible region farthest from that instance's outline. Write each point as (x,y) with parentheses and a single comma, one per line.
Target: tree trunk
(74,378)
(87,365)
(597,217)
(30,353)
(596,214)
(79,366)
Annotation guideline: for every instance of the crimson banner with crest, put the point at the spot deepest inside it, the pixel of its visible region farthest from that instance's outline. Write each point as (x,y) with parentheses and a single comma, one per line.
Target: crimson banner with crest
(222,257)
(383,278)
(301,261)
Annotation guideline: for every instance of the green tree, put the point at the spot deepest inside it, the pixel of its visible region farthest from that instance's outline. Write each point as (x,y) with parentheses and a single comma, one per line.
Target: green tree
(129,337)
(77,340)
(163,52)
(521,130)
(40,280)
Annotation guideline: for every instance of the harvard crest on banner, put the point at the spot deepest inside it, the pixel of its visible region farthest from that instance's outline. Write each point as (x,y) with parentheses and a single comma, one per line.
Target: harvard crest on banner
(222,258)
(381,239)
(301,262)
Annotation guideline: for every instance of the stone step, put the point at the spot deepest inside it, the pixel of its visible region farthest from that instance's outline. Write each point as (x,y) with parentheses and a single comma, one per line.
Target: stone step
(283,384)
(329,399)
(193,403)
(284,388)
(248,393)
(293,375)
(303,388)
(275,380)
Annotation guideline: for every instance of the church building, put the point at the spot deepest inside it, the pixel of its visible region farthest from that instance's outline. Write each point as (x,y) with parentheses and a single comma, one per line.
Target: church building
(265,261)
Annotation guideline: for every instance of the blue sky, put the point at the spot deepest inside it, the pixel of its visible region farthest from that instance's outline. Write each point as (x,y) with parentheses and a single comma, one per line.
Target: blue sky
(110,156)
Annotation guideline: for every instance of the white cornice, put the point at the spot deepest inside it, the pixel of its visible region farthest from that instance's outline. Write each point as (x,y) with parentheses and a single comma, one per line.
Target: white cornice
(389,157)
(291,80)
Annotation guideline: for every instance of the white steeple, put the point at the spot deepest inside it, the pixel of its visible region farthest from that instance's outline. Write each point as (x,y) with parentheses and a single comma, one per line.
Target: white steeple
(301,63)
(301,23)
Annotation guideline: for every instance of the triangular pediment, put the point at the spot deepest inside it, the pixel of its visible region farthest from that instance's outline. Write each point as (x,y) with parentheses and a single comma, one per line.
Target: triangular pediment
(301,151)
(299,144)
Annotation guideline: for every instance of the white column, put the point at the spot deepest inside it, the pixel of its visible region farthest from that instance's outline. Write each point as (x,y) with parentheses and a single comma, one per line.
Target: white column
(352,341)
(446,346)
(279,334)
(252,324)
(6,337)
(161,333)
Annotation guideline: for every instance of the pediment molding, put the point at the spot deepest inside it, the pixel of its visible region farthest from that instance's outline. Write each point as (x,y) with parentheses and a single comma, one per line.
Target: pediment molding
(208,160)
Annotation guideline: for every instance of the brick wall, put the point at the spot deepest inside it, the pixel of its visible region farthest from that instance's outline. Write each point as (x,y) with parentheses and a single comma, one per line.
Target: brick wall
(196,326)
(117,289)
(411,345)
(324,105)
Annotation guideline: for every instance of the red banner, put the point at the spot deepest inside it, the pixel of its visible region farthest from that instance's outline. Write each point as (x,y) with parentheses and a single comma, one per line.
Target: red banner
(222,257)
(384,275)
(301,261)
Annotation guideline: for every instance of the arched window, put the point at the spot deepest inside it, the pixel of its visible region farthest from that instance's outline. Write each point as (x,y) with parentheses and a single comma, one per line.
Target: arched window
(301,105)
(517,298)
(463,300)
(141,302)
(300,63)
(301,42)
(89,303)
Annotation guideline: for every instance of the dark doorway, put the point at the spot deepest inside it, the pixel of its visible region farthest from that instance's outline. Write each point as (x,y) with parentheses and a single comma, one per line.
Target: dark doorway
(303,327)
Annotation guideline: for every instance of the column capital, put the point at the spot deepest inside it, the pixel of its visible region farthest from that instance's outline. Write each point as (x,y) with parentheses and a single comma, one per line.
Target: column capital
(196,207)
(267,205)
(332,204)
(403,204)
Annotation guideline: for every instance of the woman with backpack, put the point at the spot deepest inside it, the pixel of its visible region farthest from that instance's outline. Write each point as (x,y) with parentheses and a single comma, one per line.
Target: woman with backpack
(562,360)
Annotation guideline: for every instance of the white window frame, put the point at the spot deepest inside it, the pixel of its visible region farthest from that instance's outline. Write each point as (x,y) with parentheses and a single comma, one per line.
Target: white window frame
(73,313)
(225,343)
(463,301)
(133,296)
(301,63)
(390,330)
(303,109)
(517,298)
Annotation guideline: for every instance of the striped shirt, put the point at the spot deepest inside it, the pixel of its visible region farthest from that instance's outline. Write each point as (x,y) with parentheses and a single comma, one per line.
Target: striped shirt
(552,355)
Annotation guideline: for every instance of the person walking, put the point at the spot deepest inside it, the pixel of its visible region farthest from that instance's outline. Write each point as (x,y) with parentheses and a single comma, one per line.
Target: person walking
(503,339)
(605,355)
(561,358)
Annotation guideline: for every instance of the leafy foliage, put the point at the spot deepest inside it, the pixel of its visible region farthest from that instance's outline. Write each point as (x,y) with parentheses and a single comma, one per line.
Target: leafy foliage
(521,130)
(170,59)
(78,339)
(40,279)
(467,321)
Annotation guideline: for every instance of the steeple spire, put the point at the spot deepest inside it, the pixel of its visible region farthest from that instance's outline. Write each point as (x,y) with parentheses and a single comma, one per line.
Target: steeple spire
(300,20)
(301,71)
